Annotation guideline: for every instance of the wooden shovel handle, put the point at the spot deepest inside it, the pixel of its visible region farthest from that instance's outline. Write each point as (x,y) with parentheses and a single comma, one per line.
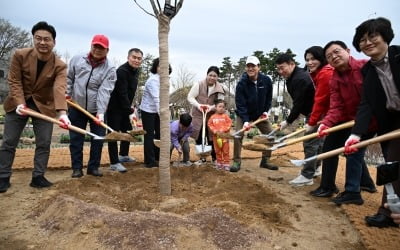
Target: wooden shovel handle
(52,120)
(251,125)
(348,124)
(385,137)
(292,134)
(87,113)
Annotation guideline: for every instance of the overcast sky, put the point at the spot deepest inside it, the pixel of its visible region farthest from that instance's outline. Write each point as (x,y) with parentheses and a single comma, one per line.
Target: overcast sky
(204,32)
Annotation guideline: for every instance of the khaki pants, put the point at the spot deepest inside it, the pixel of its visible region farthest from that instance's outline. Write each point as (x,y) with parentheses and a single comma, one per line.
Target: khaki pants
(264,126)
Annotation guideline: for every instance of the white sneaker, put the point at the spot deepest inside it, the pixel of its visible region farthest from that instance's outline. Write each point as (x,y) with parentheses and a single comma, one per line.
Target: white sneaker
(200,162)
(118,167)
(318,171)
(187,164)
(182,164)
(301,181)
(126,158)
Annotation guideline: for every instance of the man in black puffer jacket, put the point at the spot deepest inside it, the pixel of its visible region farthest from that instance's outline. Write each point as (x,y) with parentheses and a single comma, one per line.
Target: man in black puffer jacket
(119,111)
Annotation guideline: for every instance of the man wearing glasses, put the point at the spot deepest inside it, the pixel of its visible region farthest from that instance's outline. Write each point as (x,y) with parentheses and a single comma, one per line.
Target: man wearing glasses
(345,96)
(37,80)
(90,81)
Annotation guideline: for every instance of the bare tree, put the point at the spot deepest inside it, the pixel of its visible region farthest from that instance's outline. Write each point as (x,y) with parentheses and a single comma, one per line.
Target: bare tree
(184,78)
(11,38)
(66,56)
(164,16)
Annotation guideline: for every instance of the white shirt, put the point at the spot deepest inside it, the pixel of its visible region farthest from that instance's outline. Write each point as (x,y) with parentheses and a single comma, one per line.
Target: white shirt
(151,95)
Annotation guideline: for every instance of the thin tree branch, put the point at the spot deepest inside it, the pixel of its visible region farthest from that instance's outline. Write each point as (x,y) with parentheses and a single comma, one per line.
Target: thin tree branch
(153,5)
(159,6)
(151,14)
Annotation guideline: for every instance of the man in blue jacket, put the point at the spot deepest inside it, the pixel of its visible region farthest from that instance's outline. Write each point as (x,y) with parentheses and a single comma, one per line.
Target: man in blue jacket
(253,100)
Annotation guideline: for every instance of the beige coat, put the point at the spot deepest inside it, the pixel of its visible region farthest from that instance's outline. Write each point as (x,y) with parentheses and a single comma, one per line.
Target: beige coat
(204,98)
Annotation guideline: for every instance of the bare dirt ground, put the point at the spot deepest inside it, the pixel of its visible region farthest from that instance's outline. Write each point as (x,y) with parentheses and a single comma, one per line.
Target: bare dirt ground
(208,209)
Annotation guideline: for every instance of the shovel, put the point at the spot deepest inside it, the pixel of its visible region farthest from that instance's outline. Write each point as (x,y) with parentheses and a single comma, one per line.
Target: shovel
(348,124)
(116,136)
(385,137)
(283,138)
(55,121)
(265,139)
(236,134)
(203,149)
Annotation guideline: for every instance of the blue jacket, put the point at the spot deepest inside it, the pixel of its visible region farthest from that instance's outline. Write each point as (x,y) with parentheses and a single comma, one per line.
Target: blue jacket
(252,99)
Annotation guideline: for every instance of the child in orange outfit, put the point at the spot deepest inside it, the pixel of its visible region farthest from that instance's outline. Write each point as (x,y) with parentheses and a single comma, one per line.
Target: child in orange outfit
(220,123)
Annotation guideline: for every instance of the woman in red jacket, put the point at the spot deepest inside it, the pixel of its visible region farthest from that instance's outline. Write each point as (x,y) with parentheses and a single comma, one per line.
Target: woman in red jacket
(321,73)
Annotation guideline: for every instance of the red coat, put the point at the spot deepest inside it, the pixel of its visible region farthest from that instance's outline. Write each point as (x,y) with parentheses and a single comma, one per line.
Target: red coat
(345,94)
(321,80)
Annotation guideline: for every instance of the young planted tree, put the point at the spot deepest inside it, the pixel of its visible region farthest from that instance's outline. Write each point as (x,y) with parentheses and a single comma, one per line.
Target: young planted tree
(164,16)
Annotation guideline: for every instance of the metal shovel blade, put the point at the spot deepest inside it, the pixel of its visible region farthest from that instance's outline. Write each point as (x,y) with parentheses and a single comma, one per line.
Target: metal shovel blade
(299,163)
(203,149)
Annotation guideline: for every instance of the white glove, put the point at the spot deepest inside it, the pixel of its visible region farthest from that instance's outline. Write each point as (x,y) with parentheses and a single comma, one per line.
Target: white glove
(283,125)
(20,108)
(309,128)
(353,139)
(99,119)
(65,121)
(132,117)
(264,115)
(246,126)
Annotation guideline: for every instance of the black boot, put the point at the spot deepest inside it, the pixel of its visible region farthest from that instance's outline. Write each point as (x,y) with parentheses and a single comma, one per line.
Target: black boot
(40,182)
(264,164)
(4,184)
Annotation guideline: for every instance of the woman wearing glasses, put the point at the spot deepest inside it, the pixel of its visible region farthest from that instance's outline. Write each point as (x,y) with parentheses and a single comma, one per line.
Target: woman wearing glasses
(381,98)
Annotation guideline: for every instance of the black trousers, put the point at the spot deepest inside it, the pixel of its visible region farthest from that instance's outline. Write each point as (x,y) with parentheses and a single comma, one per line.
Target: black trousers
(391,152)
(151,123)
(119,122)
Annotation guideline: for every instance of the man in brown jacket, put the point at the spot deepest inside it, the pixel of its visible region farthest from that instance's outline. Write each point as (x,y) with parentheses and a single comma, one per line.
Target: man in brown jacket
(37,80)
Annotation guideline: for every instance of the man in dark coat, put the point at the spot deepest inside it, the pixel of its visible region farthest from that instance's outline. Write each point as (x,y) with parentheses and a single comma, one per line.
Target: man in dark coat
(120,112)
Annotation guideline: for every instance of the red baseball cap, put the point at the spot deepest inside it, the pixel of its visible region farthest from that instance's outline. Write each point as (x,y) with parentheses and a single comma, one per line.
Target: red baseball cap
(100,40)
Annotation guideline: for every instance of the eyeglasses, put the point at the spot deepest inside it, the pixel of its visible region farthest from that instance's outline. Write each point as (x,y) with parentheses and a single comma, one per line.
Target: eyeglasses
(373,37)
(336,52)
(40,39)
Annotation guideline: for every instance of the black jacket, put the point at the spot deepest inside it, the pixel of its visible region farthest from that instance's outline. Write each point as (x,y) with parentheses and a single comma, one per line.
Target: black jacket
(373,101)
(125,89)
(253,99)
(301,89)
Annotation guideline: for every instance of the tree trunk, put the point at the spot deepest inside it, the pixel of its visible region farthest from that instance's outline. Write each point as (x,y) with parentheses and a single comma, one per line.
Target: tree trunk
(164,168)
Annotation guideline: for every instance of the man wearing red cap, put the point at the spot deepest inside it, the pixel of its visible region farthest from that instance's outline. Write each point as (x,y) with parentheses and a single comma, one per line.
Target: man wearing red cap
(91,79)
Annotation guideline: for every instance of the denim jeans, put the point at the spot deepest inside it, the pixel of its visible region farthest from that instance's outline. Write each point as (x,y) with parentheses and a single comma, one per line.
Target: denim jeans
(311,148)
(357,172)
(80,120)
